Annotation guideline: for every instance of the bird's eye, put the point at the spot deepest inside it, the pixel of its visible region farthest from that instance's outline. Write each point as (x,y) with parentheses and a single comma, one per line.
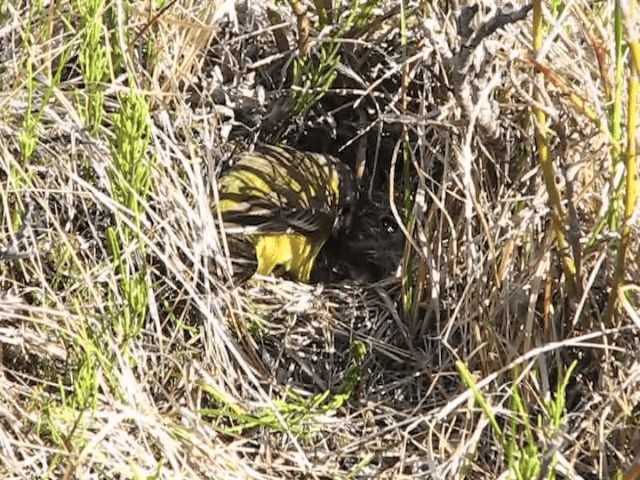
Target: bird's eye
(389,224)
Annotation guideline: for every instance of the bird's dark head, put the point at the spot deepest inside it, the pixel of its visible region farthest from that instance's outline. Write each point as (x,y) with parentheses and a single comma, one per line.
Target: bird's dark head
(348,194)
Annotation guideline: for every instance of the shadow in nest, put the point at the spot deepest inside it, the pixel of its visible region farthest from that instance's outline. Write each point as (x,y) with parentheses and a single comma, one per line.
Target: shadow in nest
(369,251)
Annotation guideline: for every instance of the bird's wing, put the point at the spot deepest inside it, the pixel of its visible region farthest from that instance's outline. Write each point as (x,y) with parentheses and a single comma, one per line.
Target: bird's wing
(263,218)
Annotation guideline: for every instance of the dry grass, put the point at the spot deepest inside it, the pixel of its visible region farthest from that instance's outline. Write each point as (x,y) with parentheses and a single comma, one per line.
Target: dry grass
(445,340)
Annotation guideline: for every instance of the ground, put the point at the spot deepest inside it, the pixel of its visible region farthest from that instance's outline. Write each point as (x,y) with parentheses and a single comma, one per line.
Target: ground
(478,320)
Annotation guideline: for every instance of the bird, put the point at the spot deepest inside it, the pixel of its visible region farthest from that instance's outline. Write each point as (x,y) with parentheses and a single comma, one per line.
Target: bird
(284,203)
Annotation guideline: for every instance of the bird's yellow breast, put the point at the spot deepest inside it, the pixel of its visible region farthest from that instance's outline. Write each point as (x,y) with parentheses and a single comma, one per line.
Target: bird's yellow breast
(293,252)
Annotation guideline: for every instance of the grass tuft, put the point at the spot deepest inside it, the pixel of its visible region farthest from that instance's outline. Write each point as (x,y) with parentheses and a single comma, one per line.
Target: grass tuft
(479,319)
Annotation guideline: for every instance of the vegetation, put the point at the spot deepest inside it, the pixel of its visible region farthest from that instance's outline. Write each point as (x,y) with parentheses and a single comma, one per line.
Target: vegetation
(478,320)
